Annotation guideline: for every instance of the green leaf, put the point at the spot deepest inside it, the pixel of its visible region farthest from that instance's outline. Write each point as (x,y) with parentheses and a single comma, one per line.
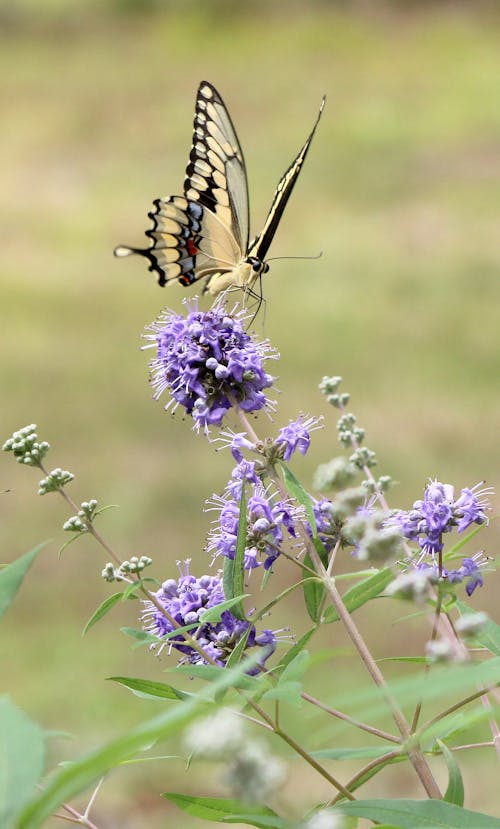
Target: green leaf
(22,760)
(101,611)
(314,593)
(419,660)
(149,689)
(489,635)
(211,673)
(296,668)
(265,610)
(144,638)
(78,776)
(367,752)
(462,541)
(296,649)
(455,679)
(12,575)
(419,814)
(238,652)
(220,809)
(131,591)
(289,692)
(298,492)
(234,569)
(141,636)
(457,722)
(455,790)
(213,614)
(360,594)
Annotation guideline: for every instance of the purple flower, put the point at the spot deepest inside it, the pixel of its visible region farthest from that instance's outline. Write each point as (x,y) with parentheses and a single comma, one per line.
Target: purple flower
(296,435)
(208,363)
(185,600)
(237,441)
(469,572)
(438,512)
(326,526)
(267,519)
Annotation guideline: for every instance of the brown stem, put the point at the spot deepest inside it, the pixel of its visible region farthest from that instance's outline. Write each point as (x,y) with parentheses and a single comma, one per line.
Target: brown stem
(434,633)
(377,732)
(379,761)
(415,754)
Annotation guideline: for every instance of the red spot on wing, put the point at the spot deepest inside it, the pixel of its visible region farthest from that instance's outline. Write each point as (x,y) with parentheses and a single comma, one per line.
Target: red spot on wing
(191,247)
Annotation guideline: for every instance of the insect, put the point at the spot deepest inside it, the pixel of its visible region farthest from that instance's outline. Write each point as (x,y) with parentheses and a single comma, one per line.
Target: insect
(204,234)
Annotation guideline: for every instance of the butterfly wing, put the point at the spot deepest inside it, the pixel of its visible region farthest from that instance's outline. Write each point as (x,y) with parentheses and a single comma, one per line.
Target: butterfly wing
(205,232)
(260,245)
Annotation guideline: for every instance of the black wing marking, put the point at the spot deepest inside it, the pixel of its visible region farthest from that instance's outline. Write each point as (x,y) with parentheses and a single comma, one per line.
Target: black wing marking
(216,174)
(260,245)
(188,242)
(205,231)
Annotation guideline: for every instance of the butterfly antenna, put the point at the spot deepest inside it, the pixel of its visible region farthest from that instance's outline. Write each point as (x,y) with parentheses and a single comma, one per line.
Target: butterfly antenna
(316,256)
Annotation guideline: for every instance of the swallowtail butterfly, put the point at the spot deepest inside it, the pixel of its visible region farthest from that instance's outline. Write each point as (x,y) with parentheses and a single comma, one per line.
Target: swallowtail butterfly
(204,234)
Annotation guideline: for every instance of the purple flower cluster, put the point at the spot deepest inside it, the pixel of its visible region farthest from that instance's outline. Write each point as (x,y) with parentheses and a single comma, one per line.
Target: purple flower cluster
(184,600)
(208,363)
(437,513)
(267,519)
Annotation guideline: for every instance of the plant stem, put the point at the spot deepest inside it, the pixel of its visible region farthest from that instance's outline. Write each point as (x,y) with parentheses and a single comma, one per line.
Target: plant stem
(377,732)
(379,761)
(415,754)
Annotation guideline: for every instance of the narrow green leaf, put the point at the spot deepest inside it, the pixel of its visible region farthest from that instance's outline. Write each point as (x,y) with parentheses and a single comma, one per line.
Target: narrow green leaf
(12,575)
(234,572)
(367,752)
(296,649)
(145,638)
(142,636)
(213,614)
(419,660)
(131,591)
(455,790)
(22,760)
(489,635)
(296,667)
(101,611)
(298,492)
(220,809)
(78,776)
(289,692)
(462,541)
(419,814)
(456,723)
(360,594)
(210,673)
(149,689)
(314,593)
(238,652)
(265,610)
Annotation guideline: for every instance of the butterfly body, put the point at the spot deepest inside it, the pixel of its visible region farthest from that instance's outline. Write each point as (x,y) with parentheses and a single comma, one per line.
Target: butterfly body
(204,234)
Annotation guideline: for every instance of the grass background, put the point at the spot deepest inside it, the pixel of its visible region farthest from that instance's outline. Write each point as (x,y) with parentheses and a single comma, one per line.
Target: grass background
(400,192)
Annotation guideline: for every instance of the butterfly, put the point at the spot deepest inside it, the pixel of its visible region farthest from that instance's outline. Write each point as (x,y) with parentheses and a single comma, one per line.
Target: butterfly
(204,234)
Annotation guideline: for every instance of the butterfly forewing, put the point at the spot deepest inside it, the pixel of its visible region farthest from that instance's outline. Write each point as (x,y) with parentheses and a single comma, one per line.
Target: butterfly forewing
(216,173)
(262,242)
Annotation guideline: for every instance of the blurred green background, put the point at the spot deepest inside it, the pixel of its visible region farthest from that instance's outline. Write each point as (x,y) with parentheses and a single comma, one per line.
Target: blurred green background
(399,192)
